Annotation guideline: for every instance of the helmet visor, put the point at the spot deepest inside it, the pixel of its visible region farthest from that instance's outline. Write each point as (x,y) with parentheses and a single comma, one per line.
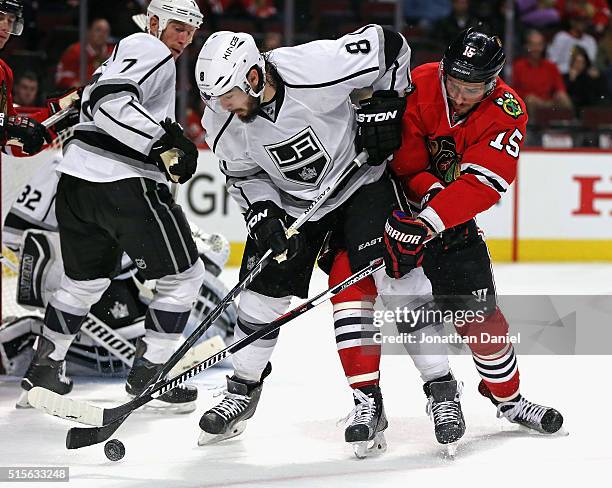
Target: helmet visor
(464,92)
(15,22)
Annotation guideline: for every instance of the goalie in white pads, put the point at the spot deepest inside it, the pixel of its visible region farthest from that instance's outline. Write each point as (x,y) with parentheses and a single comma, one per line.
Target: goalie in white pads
(284,129)
(113,197)
(105,344)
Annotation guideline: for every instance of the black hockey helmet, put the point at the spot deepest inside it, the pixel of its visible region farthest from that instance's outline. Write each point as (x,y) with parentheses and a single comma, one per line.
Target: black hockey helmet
(14,7)
(474,57)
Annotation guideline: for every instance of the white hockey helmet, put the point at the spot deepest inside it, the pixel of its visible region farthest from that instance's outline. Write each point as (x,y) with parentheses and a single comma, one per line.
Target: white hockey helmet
(224,63)
(186,11)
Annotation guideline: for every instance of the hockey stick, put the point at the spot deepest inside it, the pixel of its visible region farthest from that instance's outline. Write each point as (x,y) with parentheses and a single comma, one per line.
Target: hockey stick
(248,279)
(107,421)
(59,115)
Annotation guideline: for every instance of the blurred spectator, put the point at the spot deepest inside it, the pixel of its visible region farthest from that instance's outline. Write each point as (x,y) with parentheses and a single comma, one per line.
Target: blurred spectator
(121,25)
(459,19)
(597,11)
(25,91)
(425,13)
(560,49)
(257,8)
(585,85)
(98,50)
(271,40)
(538,13)
(536,79)
(604,56)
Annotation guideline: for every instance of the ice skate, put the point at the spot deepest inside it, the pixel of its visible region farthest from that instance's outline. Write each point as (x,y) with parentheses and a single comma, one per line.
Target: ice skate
(180,399)
(444,408)
(44,372)
(367,422)
(531,416)
(228,418)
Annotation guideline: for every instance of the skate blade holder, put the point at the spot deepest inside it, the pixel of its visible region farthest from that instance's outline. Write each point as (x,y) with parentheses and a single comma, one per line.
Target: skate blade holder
(374,447)
(450,450)
(22,401)
(206,439)
(283,256)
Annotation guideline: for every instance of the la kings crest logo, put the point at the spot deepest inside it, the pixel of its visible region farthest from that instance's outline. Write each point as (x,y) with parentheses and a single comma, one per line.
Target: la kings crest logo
(301,158)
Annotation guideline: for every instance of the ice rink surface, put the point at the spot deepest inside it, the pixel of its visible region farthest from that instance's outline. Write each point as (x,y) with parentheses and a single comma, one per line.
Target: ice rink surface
(293,440)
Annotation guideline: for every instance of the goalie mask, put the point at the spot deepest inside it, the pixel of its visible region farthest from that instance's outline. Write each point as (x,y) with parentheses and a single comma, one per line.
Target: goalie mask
(225,60)
(186,11)
(13,9)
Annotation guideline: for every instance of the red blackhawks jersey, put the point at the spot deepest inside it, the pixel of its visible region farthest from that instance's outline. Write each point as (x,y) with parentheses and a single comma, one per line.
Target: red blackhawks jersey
(473,158)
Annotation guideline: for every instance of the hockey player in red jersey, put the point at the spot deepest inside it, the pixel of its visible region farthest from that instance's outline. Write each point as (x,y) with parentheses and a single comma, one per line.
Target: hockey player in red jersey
(462,135)
(31,133)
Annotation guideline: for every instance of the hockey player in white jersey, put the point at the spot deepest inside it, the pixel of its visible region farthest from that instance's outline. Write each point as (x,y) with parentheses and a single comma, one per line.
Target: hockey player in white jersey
(113,197)
(30,232)
(283,128)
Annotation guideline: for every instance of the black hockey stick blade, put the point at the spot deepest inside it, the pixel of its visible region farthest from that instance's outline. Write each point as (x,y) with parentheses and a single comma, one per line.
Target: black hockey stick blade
(88,436)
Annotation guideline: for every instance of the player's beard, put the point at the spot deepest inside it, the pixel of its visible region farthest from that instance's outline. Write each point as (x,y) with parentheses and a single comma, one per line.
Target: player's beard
(249,114)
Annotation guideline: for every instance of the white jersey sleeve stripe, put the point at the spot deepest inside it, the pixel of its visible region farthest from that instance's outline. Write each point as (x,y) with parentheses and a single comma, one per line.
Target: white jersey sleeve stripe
(335,82)
(155,68)
(495,181)
(125,126)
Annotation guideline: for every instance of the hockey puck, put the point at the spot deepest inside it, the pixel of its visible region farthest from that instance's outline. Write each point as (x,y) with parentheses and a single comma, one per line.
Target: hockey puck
(114,450)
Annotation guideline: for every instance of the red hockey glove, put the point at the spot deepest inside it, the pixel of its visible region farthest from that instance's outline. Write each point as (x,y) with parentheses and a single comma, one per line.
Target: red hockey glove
(29,132)
(404,244)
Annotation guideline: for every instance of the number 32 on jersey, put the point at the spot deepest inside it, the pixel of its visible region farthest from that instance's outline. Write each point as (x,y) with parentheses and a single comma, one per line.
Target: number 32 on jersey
(512,145)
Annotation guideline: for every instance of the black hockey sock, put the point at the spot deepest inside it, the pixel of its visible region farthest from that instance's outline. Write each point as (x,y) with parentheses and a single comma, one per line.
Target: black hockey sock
(62,322)
(166,322)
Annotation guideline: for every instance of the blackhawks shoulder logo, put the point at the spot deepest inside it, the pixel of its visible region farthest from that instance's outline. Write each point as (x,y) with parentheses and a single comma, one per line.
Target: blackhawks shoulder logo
(510,105)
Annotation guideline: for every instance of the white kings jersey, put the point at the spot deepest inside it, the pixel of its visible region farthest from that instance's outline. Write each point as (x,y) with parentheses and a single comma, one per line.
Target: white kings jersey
(121,108)
(303,139)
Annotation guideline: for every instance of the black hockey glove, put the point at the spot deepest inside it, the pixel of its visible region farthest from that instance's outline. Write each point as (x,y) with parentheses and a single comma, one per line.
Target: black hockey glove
(266,226)
(404,244)
(59,101)
(379,125)
(174,154)
(31,133)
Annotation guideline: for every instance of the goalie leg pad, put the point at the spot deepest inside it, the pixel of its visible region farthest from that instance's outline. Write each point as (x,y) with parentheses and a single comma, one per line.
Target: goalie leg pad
(39,269)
